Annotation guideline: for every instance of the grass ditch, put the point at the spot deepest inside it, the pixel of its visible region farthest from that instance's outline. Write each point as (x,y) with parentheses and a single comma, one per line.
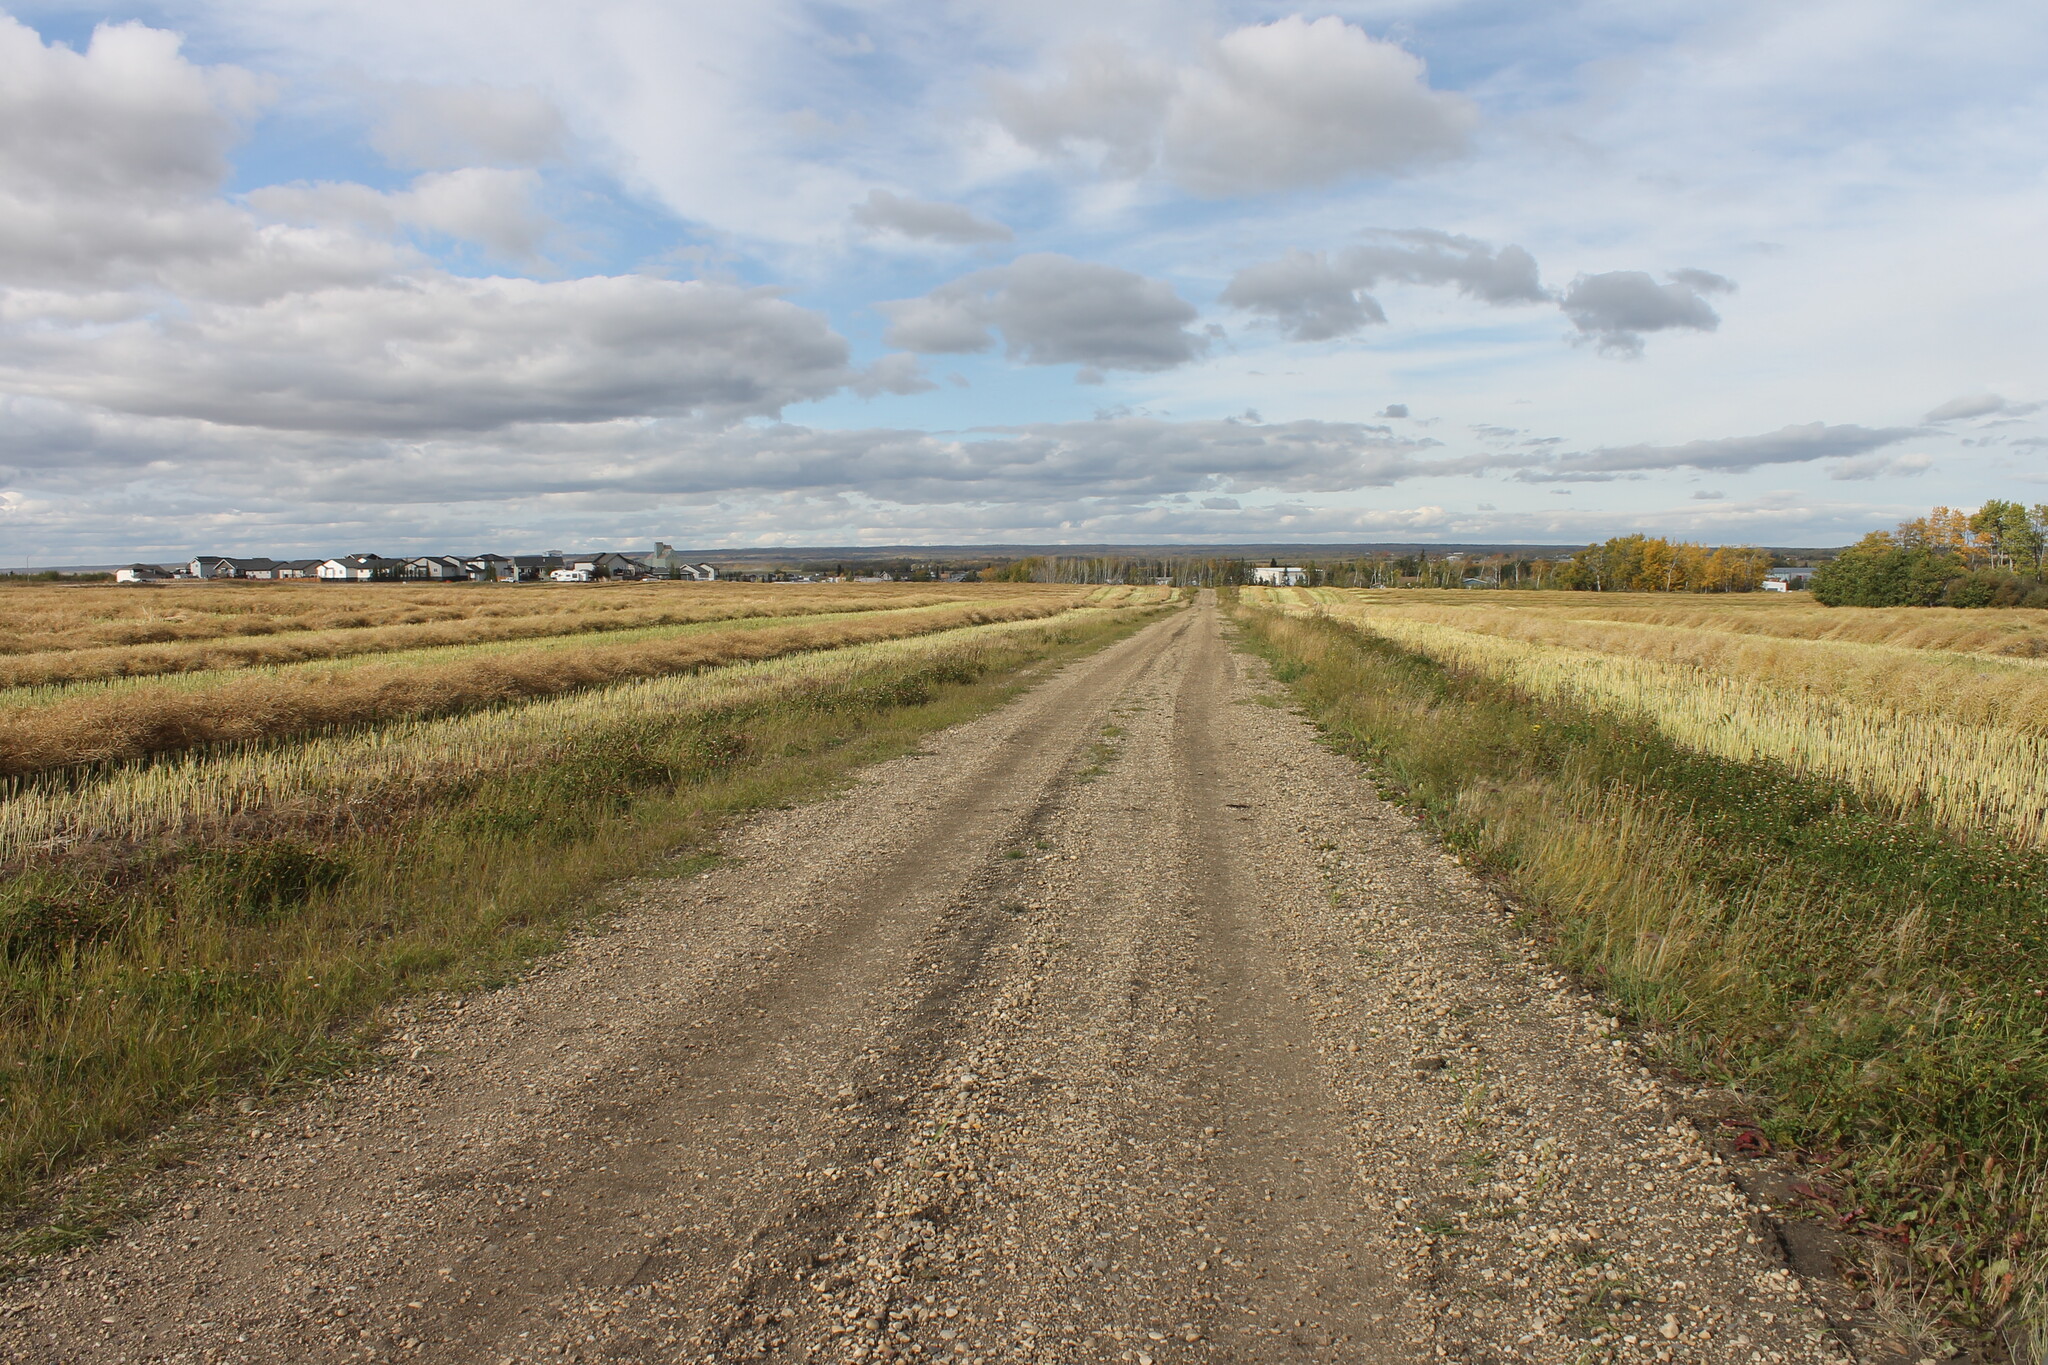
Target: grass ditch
(1873,980)
(142,979)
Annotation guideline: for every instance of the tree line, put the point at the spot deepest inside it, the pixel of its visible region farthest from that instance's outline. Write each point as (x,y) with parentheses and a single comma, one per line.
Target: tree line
(1994,556)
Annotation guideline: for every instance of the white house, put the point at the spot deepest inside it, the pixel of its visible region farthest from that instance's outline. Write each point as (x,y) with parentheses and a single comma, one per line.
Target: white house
(1278,576)
(360,568)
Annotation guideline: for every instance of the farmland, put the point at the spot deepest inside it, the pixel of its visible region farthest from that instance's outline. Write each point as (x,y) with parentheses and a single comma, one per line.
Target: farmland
(242,818)
(1803,847)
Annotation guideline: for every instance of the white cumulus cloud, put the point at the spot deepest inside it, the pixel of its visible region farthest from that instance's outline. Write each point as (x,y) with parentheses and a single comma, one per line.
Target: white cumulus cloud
(1267,107)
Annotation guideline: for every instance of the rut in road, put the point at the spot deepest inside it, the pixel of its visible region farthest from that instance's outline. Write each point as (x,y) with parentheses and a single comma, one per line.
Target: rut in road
(1125,1024)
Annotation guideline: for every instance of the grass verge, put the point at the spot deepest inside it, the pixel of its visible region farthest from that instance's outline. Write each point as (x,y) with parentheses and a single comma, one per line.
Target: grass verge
(1875,982)
(244,959)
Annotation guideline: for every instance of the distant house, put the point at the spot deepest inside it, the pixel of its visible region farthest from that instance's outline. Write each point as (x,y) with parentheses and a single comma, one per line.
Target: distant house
(492,567)
(1279,576)
(297,568)
(222,566)
(1788,579)
(363,568)
(143,573)
(436,569)
(528,568)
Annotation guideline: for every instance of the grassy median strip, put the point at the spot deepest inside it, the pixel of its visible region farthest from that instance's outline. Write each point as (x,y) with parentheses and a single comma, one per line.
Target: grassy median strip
(1874,978)
(151,968)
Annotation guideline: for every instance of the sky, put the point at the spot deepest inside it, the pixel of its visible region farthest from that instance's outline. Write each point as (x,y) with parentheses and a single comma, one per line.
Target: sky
(443,275)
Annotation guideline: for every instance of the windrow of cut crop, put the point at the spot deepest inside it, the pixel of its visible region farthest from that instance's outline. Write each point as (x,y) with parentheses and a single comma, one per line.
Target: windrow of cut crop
(2013,633)
(1998,692)
(1882,731)
(235,923)
(664,605)
(141,723)
(1869,976)
(623,633)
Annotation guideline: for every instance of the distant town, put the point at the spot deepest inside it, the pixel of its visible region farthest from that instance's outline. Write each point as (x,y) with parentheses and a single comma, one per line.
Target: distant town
(1632,562)
(551,566)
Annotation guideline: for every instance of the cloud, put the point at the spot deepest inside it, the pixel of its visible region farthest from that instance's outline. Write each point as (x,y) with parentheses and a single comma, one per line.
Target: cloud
(1615,309)
(1052,310)
(1786,445)
(1881,467)
(445,127)
(129,116)
(1704,281)
(1316,296)
(437,353)
(106,156)
(925,220)
(129,282)
(1267,107)
(1979,405)
(1394,410)
(899,373)
(1306,294)
(491,207)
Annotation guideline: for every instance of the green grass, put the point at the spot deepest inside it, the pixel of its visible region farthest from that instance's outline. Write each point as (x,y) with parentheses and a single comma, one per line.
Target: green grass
(246,960)
(1874,982)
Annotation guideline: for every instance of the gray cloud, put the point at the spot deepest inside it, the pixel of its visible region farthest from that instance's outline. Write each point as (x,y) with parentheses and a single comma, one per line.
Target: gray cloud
(127,281)
(1880,467)
(1315,296)
(492,207)
(925,220)
(1786,445)
(1394,410)
(1053,310)
(438,353)
(444,127)
(1306,294)
(1980,405)
(1268,107)
(1615,309)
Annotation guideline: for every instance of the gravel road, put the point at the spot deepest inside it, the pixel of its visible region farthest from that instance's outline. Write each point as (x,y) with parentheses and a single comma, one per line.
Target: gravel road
(1123,1024)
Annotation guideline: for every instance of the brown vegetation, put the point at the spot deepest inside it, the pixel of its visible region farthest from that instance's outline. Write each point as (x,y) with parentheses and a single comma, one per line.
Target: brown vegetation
(51,618)
(205,628)
(137,723)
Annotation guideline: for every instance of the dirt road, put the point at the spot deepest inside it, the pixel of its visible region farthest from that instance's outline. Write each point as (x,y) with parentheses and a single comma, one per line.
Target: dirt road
(1126,1024)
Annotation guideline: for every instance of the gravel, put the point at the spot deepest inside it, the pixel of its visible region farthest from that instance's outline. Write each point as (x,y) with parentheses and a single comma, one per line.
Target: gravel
(1123,1024)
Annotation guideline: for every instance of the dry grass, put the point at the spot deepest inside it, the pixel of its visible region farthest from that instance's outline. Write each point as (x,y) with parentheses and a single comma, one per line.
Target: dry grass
(2010,632)
(223,626)
(1962,736)
(132,723)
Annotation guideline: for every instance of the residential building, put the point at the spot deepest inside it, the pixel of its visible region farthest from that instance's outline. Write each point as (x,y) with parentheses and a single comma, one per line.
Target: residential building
(1279,576)
(362,568)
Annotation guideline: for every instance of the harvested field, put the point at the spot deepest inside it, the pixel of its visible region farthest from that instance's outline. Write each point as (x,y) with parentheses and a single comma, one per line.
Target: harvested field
(1963,735)
(213,630)
(86,725)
